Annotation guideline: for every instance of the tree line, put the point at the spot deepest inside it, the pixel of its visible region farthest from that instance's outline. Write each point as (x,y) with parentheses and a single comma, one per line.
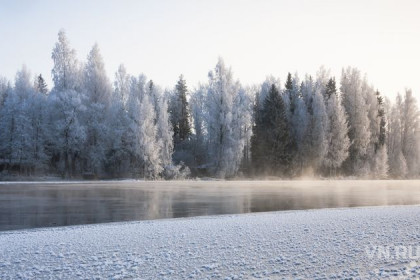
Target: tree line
(87,126)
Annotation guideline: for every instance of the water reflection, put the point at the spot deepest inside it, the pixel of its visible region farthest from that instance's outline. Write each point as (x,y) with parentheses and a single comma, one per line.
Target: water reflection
(43,205)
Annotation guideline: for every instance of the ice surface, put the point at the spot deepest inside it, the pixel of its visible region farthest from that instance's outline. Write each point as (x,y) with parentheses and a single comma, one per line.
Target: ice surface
(316,244)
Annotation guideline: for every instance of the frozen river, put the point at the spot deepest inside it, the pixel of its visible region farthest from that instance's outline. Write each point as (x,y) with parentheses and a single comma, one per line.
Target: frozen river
(46,204)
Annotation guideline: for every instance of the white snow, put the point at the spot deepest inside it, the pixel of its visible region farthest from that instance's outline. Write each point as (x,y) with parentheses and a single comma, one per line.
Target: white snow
(327,243)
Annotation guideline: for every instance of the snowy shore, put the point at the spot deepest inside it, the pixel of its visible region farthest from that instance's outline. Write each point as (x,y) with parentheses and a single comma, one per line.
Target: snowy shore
(327,243)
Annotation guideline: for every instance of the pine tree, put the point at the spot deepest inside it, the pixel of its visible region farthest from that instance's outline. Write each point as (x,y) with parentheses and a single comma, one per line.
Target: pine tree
(289,83)
(183,123)
(290,92)
(277,141)
(381,115)
(330,88)
(299,123)
(257,139)
(180,121)
(41,85)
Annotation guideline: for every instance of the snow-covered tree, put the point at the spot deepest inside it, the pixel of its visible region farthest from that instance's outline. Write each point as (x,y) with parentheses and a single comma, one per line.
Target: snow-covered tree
(164,131)
(224,137)
(299,120)
(150,132)
(118,155)
(136,95)
(410,122)
(149,151)
(67,105)
(397,161)
(83,125)
(199,135)
(122,85)
(96,83)
(98,91)
(318,126)
(372,108)
(65,73)
(40,85)
(22,124)
(15,122)
(337,130)
(4,89)
(358,118)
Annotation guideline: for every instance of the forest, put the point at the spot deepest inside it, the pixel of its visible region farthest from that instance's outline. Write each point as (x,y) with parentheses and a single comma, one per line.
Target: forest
(87,126)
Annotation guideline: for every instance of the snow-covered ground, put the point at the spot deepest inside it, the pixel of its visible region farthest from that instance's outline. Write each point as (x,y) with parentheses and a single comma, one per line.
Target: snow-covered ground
(327,243)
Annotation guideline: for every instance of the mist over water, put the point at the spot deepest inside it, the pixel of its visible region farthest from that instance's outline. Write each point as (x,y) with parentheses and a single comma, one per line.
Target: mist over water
(54,204)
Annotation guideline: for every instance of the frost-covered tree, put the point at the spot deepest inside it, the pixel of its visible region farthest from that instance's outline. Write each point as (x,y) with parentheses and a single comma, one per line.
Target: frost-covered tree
(40,85)
(135,98)
(4,90)
(164,130)
(298,118)
(223,112)
(65,72)
(26,127)
(16,123)
(397,161)
(98,91)
(122,85)
(358,118)
(96,83)
(199,135)
(313,124)
(149,151)
(378,150)
(149,132)
(68,132)
(337,130)
(372,108)
(67,106)
(318,126)
(83,125)
(118,154)
(410,125)
(242,121)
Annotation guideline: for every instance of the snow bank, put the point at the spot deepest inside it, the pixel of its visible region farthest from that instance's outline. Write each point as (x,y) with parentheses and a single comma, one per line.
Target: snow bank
(295,244)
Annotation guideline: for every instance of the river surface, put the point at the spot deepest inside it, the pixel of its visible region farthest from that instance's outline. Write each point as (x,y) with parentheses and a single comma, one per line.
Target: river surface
(46,204)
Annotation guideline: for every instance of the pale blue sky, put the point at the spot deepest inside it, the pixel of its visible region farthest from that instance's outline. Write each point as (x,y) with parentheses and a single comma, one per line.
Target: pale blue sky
(166,38)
